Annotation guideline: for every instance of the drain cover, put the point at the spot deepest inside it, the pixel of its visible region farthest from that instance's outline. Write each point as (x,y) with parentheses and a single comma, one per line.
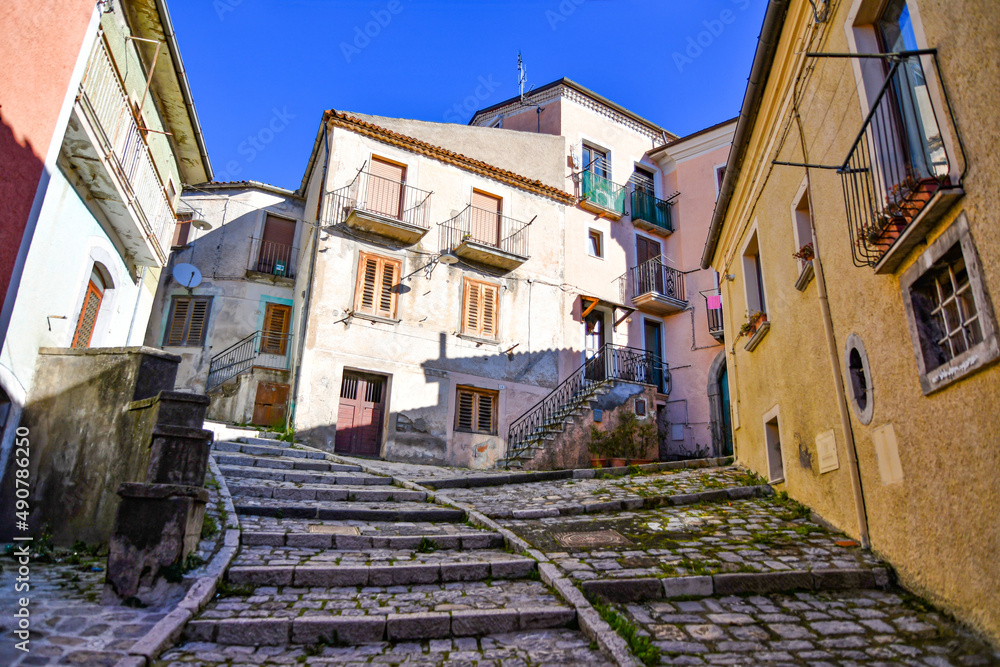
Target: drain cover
(592,538)
(333,530)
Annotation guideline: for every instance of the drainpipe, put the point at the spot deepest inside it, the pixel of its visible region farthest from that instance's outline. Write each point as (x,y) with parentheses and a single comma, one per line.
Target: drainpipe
(312,269)
(831,340)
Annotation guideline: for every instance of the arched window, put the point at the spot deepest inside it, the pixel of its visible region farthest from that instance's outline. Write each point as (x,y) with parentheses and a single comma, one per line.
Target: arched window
(88,312)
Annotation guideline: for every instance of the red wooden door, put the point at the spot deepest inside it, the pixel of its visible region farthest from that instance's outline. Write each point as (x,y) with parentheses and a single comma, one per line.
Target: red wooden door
(359,416)
(650,277)
(88,315)
(270,404)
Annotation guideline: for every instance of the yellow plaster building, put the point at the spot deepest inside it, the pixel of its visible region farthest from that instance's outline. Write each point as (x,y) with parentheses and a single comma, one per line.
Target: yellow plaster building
(858,249)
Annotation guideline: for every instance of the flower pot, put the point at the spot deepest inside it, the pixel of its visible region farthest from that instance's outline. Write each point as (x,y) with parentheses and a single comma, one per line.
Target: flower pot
(598,463)
(618,463)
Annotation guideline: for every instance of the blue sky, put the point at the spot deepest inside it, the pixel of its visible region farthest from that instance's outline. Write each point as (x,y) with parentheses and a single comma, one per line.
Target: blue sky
(263,71)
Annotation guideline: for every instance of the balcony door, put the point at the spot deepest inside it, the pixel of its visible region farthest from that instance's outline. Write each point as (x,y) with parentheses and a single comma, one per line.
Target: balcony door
(88,313)
(485,218)
(274,337)
(385,188)
(359,415)
(653,344)
(650,275)
(593,343)
(275,253)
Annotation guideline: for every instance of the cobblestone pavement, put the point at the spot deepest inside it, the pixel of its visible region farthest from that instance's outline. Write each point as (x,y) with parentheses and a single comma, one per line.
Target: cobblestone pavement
(576,496)
(845,628)
(69,625)
(523,649)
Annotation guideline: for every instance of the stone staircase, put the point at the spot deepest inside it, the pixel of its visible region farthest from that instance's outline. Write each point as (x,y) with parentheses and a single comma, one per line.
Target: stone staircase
(332,556)
(549,428)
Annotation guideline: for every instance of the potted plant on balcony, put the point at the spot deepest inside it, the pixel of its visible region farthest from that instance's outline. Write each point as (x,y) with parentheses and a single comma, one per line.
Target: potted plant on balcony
(754,320)
(805,253)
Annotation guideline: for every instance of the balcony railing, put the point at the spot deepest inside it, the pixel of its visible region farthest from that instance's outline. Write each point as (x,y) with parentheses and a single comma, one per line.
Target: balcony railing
(655,212)
(486,228)
(261,349)
(124,149)
(652,277)
(599,191)
(713,307)
(382,197)
(275,259)
(897,162)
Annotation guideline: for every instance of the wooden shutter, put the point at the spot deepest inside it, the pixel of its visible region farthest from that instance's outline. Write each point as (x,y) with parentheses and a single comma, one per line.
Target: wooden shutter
(475,410)
(188,321)
(279,231)
(385,187)
(276,319)
(481,309)
(88,316)
(646,249)
(178,321)
(377,280)
(485,219)
(199,322)
(466,409)
(484,420)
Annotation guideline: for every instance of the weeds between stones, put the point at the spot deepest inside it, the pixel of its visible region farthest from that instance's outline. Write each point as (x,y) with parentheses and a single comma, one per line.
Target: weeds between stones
(226,589)
(641,645)
(427,546)
(209,527)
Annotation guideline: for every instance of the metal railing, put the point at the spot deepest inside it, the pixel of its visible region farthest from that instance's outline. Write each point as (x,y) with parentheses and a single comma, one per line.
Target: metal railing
(652,277)
(276,259)
(611,362)
(715,323)
(487,228)
(261,349)
(382,196)
(897,161)
(602,192)
(124,149)
(652,210)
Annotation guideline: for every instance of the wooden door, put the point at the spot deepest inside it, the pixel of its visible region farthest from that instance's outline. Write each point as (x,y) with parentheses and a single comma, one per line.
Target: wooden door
(650,278)
(486,211)
(359,416)
(88,314)
(653,342)
(270,405)
(385,188)
(275,254)
(274,337)
(593,342)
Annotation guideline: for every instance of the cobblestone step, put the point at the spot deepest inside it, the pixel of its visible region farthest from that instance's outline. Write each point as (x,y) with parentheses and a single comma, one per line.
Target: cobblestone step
(347,510)
(285,566)
(235,472)
(281,463)
(541,647)
(458,542)
(374,529)
(266,450)
(271,442)
(279,616)
(286,491)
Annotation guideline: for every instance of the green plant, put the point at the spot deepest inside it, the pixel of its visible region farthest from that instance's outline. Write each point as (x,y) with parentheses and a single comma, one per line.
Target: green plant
(805,253)
(629,438)
(226,589)
(640,645)
(209,527)
(427,545)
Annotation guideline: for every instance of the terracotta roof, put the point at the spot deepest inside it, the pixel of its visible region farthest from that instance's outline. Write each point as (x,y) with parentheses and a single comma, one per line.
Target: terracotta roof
(343,119)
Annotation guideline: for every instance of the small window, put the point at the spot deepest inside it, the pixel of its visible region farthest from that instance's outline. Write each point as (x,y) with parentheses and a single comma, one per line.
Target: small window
(480,311)
(951,320)
(642,181)
(595,243)
(181,230)
(188,321)
(596,161)
(640,407)
(802,220)
(720,175)
(753,277)
(476,410)
(859,378)
(378,281)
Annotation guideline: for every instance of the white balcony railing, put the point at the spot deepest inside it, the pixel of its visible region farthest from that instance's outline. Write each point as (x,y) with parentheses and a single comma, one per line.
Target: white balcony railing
(124,149)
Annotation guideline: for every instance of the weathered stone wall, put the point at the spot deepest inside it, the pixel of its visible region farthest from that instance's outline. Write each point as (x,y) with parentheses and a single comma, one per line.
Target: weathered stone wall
(84,441)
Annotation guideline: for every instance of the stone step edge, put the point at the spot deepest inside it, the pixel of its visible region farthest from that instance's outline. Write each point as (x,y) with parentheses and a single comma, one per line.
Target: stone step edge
(231,447)
(271,474)
(439,514)
(470,542)
(295,464)
(374,629)
(335,576)
(501,479)
(738,583)
(328,492)
(648,502)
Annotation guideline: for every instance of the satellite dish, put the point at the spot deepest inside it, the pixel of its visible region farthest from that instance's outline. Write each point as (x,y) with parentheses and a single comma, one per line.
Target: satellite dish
(203,225)
(448,258)
(187,275)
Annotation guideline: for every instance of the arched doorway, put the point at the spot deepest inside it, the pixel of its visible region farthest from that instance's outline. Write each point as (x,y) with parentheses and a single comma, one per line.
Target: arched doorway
(718,406)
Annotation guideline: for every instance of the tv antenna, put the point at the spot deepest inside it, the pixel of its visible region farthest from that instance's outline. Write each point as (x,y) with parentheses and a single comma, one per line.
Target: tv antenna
(522,78)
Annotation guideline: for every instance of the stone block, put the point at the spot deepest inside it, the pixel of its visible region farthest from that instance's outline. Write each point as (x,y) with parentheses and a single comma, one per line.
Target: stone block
(309,540)
(839,579)
(252,539)
(482,541)
(260,576)
(200,631)
(404,575)
(464,571)
(318,466)
(541,618)
(338,630)
(328,576)
(254,631)
(294,493)
(429,625)
(625,590)
(178,455)
(511,569)
(352,542)
(466,623)
(328,495)
(676,587)
(761,582)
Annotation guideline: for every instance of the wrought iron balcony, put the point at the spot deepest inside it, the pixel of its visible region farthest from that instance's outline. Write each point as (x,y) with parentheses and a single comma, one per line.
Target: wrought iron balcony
(713,308)
(897,177)
(654,287)
(261,349)
(106,146)
(272,259)
(383,206)
(651,214)
(600,195)
(485,236)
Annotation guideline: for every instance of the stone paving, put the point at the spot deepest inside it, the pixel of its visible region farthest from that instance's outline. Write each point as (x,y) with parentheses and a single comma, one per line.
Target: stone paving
(279,556)
(521,649)
(815,628)
(578,496)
